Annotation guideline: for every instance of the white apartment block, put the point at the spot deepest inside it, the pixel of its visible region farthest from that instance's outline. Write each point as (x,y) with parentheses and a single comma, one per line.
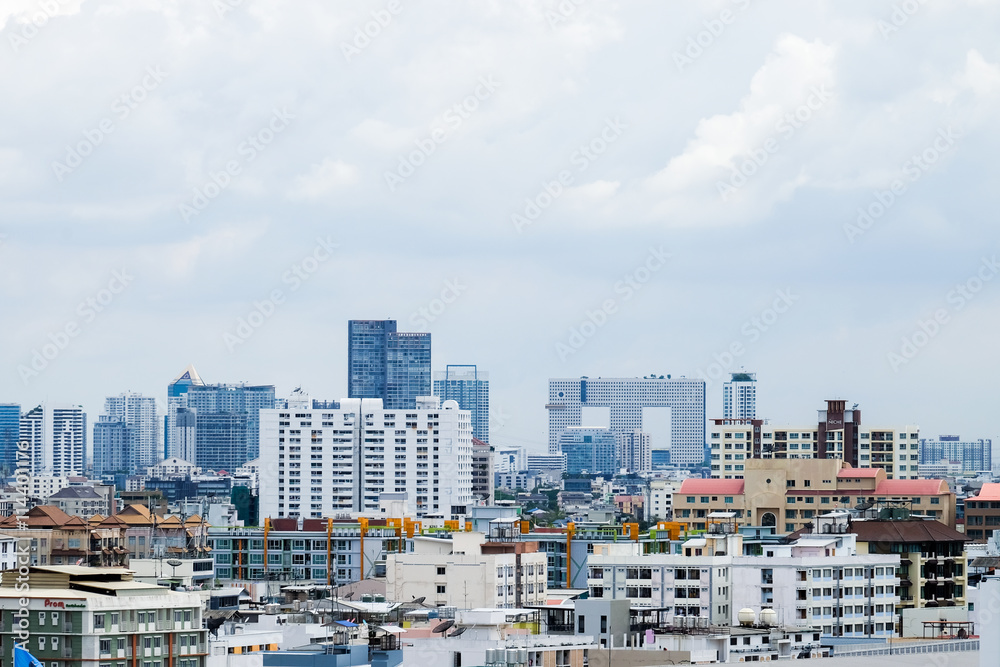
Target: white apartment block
(172,467)
(139,412)
(323,462)
(633,451)
(510,459)
(671,411)
(468,572)
(818,581)
(44,486)
(57,439)
(896,449)
(739,396)
(659,499)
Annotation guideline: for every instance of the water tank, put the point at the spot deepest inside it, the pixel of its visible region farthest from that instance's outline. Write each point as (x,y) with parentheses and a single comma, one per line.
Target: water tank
(746,616)
(491,656)
(769,617)
(512,656)
(522,656)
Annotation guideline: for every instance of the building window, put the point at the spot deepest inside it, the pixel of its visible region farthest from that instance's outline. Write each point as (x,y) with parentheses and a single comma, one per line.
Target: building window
(98,621)
(440,589)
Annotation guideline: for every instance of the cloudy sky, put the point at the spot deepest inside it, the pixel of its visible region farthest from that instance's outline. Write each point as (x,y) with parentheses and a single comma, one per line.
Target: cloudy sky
(553,189)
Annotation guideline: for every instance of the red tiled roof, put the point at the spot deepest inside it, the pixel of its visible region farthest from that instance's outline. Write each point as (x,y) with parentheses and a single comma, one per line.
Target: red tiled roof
(854,473)
(990,491)
(729,487)
(911,487)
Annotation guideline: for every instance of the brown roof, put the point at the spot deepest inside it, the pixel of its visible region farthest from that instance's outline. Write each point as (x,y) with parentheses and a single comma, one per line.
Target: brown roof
(171,522)
(912,531)
(96,519)
(194,518)
(44,516)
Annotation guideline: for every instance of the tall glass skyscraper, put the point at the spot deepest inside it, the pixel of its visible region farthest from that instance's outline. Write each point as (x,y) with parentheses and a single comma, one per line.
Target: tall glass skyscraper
(470,387)
(227,423)
(388,364)
(10,425)
(588,450)
(112,446)
(176,399)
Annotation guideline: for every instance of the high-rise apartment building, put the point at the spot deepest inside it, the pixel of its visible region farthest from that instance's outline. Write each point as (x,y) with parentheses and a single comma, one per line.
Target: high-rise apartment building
(57,439)
(112,439)
(589,450)
(137,416)
(470,387)
(215,426)
(227,423)
(387,364)
(177,399)
(670,411)
(838,434)
(633,451)
(972,455)
(739,396)
(334,460)
(10,430)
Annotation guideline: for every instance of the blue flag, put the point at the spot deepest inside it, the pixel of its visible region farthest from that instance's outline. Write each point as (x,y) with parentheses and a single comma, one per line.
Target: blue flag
(24,659)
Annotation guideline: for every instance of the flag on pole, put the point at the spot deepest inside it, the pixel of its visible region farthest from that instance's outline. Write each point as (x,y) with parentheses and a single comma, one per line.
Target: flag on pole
(24,659)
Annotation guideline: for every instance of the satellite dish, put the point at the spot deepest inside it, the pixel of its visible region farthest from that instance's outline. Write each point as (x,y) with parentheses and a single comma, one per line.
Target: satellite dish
(349,595)
(457,632)
(419,600)
(441,627)
(173,562)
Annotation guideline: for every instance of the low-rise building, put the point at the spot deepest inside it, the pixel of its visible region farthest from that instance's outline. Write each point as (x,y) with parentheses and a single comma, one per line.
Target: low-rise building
(83,500)
(468,570)
(57,538)
(982,513)
(789,494)
(80,616)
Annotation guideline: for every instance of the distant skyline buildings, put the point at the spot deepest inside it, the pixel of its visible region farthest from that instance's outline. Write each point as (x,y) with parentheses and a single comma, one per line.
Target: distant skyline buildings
(10,429)
(126,436)
(388,364)
(470,387)
(588,450)
(670,411)
(57,439)
(973,455)
(739,396)
(214,426)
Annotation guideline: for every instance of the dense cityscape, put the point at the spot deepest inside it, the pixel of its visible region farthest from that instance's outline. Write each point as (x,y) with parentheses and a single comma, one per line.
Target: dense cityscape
(544,333)
(370,526)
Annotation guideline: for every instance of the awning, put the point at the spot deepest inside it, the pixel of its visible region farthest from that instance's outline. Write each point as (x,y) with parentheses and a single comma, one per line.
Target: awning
(394,629)
(346,624)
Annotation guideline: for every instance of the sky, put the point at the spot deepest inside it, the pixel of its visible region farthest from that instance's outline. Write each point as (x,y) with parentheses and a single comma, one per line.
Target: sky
(806,191)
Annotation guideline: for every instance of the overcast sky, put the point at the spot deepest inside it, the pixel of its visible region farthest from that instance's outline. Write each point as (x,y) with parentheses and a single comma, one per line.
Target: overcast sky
(552,189)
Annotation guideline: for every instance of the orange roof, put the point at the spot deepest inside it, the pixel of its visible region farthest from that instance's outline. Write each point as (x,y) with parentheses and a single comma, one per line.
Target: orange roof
(732,487)
(911,487)
(97,518)
(857,472)
(170,522)
(194,518)
(990,491)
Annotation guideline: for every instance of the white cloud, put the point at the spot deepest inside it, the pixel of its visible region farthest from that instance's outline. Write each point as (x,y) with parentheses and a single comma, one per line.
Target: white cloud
(322,179)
